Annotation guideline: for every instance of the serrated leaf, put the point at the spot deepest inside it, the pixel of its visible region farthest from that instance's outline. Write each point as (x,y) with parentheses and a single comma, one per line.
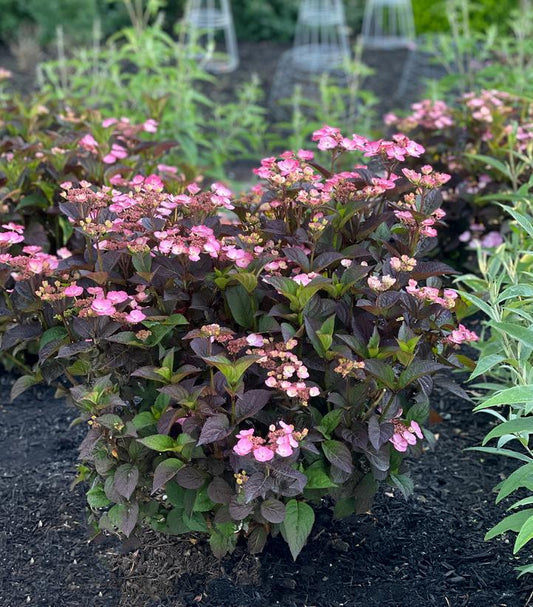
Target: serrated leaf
(96,497)
(257,539)
(240,306)
(338,454)
(126,479)
(273,510)
(251,402)
(317,476)
(165,471)
(219,491)
(191,477)
(159,442)
(215,428)
(21,385)
(299,520)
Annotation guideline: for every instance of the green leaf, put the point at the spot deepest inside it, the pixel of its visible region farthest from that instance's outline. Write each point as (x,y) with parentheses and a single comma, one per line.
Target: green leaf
(240,306)
(299,520)
(381,371)
(513,522)
(524,221)
(159,442)
(509,396)
(223,539)
(486,363)
(402,482)
(482,305)
(247,279)
(521,477)
(317,476)
(418,369)
(52,334)
(515,291)
(21,385)
(330,421)
(500,451)
(96,497)
(523,335)
(524,536)
(143,420)
(494,163)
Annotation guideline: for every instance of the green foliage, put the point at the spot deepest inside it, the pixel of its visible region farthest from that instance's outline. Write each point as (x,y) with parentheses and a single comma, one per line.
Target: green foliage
(434,16)
(505,366)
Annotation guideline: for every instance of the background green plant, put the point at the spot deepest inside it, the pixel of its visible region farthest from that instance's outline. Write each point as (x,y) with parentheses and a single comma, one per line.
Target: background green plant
(503,292)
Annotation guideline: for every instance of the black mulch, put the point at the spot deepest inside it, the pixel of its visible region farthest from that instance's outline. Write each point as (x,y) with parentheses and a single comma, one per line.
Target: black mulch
(426,552)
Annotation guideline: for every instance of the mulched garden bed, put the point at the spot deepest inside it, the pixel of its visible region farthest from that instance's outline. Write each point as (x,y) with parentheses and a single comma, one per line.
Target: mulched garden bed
(424,552)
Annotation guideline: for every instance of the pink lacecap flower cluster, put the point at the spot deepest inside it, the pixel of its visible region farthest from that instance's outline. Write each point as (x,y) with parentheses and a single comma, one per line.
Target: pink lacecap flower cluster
(330,138)
(124,131)
(281,441)
(486,104)
(31,262)
(425,226)
(381,283)
(97,302)
(405,434)
(285,371)
(427,178)
(403,263)
(427,114)
(432,294)
(461,335)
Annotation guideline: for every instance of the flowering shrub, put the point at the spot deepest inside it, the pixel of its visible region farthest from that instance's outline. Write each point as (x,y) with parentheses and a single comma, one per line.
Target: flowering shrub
(42,146)
(239,360)
(484,141)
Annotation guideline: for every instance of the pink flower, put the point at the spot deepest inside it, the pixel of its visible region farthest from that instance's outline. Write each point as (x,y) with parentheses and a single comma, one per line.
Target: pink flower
(73,290)
(150,126)
(103,307)
(255,340)
(263,454)
(135,316)
(491,240)
(9,238)
(89,143)
(117,297)
(461,335)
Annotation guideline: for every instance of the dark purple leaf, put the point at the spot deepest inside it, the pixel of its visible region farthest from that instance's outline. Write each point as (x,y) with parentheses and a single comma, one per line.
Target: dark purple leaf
(20,333)
(215,428)
(379,434)
(190,477)
(251,402)
(219,491)
(273,510)
(258,484)
(257,539)
(239,510)
(338,454)
(166,471)
(126,479)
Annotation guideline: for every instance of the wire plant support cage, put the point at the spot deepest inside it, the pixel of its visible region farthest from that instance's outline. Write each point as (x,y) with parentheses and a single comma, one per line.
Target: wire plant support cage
(211,31)
(321,37)
(388,24)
